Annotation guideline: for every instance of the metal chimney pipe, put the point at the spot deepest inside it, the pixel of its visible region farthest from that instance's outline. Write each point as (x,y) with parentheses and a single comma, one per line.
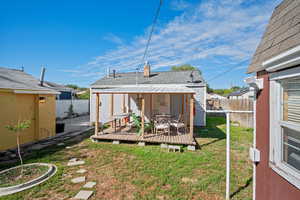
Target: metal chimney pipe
(114,73)
(42,76)
(107,72)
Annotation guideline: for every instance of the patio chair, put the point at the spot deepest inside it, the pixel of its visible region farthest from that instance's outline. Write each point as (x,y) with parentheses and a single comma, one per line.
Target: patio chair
(162,126)
(178,124)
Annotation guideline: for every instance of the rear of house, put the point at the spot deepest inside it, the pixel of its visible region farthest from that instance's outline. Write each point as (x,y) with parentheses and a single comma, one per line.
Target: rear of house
(166,103)
(22,98)
(276,64)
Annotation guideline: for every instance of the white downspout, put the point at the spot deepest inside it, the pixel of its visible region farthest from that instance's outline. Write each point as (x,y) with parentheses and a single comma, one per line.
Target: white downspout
(254,145)
(256,85)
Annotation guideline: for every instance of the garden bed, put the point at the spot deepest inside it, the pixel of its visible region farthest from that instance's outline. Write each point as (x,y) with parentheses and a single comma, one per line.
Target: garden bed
(22,177)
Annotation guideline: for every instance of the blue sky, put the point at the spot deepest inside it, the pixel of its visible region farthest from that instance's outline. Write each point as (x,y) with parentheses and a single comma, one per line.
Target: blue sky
(78,40)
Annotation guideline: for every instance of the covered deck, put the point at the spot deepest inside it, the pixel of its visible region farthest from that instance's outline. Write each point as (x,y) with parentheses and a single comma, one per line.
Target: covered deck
(125,132)
(127,136)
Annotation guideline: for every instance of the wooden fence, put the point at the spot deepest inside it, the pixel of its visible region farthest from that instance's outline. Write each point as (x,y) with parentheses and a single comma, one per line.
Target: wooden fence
(243,119)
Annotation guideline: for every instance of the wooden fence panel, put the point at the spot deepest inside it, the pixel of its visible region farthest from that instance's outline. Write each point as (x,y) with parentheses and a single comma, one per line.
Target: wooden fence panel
(244,119)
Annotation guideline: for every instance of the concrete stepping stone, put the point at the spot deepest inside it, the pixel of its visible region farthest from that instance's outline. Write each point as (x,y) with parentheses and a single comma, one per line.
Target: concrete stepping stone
(75,163)
(73,160)
(81,171)
(89,185)
(78,179)
(84,194)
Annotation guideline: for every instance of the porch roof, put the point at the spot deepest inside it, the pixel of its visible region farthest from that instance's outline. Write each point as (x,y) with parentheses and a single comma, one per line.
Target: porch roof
(146,90)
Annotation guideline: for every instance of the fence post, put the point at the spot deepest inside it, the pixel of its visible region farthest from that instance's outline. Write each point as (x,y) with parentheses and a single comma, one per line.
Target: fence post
(227,156)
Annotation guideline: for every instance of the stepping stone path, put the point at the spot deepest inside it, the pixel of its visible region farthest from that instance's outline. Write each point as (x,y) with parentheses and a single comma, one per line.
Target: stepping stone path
(74,162)
(84,194)
(78,179)
(89,185)
(81,171)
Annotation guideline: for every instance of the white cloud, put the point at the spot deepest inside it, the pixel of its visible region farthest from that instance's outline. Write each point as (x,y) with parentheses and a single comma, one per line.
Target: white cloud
(113,38)
(218,28)
(179,4)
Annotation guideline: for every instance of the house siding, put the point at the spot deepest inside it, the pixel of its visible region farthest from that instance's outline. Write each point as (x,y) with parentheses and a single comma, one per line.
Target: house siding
(200,105)
(269,185)
(16,107)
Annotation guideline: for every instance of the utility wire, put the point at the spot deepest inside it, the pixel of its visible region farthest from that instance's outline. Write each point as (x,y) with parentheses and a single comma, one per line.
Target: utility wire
(229,70)
(151,31)
(149,39)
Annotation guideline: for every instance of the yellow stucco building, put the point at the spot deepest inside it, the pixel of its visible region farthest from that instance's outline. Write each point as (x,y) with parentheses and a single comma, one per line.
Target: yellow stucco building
(23,98)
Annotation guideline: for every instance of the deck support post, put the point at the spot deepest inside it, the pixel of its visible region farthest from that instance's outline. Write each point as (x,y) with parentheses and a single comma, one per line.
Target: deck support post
(128,103)
(111,107)
(186,116)
(123,103)
(191,116)
(97,113)
(143,116)
(150,106)
(182,105)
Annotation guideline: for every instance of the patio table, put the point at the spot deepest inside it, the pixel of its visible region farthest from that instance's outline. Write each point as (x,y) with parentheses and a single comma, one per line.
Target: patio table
(119,117)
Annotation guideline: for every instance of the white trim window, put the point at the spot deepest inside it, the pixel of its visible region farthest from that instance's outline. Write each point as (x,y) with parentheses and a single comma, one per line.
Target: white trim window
(285,126)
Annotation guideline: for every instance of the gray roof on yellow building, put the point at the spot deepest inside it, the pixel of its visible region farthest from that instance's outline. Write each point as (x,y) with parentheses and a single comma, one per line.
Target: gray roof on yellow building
(19,80)
(282,34)
(58,87)
(166,77)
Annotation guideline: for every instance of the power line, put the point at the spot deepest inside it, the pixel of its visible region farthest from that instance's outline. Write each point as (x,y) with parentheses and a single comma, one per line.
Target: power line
(152,30)
(229,70)
(149,39)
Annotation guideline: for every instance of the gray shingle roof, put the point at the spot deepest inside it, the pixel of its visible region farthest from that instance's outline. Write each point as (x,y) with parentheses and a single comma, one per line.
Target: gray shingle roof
(168,77)
(240,92)
(146,89)
(16,79)
(57,87)
(282,34)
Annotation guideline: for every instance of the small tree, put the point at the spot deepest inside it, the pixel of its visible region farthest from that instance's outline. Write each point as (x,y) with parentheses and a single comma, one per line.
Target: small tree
(17,129)
(185,67)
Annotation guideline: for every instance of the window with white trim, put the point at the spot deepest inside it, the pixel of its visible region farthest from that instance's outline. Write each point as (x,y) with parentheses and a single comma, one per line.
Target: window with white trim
(291,122)
(285,127)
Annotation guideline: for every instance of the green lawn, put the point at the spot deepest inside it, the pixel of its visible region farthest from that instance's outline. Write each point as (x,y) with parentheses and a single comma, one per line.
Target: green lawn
(127,171)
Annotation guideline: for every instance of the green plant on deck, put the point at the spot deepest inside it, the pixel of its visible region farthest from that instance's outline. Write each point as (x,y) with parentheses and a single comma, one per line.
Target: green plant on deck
(137,121)
(70,111)
(17,129)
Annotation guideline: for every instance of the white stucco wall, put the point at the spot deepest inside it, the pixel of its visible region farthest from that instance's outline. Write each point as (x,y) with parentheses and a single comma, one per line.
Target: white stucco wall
(80,106)
(200,104)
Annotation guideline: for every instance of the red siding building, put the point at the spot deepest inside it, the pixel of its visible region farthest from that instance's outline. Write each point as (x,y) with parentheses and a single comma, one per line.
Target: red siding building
(276,65)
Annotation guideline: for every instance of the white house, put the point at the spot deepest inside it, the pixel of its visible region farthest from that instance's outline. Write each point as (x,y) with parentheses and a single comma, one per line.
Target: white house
(167,92)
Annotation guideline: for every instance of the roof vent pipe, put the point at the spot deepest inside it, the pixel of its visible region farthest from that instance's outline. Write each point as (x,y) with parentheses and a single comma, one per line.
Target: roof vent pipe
(42,76)
(107,72)
(114,73)
(192,77)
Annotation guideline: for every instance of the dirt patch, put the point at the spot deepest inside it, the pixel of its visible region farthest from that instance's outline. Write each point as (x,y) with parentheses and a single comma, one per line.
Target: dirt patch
(206,196)
(188,180)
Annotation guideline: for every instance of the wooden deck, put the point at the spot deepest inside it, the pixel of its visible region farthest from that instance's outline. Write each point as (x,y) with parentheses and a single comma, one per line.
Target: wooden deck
(125,135)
